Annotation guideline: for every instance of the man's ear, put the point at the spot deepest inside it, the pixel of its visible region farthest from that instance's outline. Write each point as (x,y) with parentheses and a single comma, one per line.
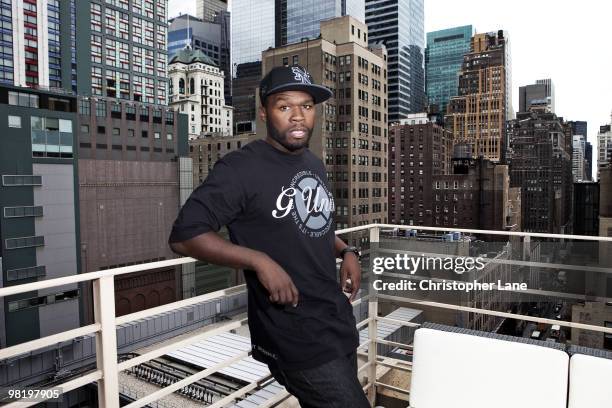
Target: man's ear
(263,115)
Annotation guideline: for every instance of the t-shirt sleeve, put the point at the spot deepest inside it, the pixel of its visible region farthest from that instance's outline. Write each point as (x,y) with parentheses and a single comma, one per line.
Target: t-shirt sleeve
(218,201)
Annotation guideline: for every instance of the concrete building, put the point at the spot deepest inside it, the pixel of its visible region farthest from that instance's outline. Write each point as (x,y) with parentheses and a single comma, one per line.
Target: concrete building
(39,229)
(205,151)
(210,37)
(586,208)
(197,89)
(351,132)
(39,43)
(128,50)
(443,60)
(579,158)
(541,165)
(297,20)
(541,94)
(477,116)
(418,150)
(476,194)
(400,26)
(130,188)
(209,10)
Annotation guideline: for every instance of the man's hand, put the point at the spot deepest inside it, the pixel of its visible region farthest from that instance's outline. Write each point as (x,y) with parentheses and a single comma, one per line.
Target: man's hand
(276,280)
(350,270)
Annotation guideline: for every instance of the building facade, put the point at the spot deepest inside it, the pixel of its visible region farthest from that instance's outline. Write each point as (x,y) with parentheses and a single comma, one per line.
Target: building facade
(197,89)
(443,60)
(130,189)
(604,146)
(477,116)
(244,85)
(541,165)
(128,50)
(297,20)
(351,133)
(39,229)
(418,150)
(210,37)
(209,10)
(38,42)
(252,30)
(205,151)
(542,94)
(579,158)
(399,25)
(586,208)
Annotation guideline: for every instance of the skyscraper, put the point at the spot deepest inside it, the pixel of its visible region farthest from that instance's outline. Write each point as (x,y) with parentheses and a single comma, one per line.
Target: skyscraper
(541,94)
(399,25)
(477,116)
(443,59)
(541,165)
(299,19)
(578,157)
(604,146)
(39,43)
(209,10)
(252,30)
(128,50)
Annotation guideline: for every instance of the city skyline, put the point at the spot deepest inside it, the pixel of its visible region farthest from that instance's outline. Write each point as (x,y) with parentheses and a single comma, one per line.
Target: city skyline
(589,99)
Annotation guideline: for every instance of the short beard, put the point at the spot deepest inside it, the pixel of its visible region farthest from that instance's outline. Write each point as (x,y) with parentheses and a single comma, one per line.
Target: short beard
(282,139)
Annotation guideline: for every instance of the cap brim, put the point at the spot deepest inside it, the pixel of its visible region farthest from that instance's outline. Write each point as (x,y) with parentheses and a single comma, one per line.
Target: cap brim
(319,93)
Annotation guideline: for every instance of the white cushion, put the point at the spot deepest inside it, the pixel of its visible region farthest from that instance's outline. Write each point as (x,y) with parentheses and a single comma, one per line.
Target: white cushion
(464,371)
(590,382)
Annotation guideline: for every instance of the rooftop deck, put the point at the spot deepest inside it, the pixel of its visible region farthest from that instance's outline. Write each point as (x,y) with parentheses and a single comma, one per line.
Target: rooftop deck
(545,262)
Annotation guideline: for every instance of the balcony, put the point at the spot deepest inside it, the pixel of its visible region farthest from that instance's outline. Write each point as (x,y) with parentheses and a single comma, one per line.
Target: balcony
(421,348)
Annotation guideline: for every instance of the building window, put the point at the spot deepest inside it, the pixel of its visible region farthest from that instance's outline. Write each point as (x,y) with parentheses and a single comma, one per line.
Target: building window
(26,273)
(169,136)
(156,135)
(21,180)
(116,132)
(145,134)
(85,129)
(101,108)
(18,212)
(24,242)
(39,301)
(84,107)
(23,99)
(295,60)
(14,122)
(51,137)
(101,130)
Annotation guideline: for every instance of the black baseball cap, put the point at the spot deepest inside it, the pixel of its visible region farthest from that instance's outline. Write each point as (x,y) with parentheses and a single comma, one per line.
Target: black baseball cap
(293,78)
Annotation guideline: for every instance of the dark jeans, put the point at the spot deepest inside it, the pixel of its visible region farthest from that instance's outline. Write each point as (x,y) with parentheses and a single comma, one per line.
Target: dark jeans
(331,385)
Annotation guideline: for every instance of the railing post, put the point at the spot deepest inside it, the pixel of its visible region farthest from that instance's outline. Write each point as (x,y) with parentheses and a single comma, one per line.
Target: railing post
(106,342)
(373,316)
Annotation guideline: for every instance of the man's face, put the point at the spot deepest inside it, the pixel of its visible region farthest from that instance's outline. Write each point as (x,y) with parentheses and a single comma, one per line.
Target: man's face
(289,117)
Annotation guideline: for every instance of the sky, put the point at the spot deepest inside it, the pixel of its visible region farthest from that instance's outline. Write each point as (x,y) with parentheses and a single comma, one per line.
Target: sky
(565,40)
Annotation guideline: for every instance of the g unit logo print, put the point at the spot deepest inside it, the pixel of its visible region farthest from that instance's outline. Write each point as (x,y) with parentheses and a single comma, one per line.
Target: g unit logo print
(309,203)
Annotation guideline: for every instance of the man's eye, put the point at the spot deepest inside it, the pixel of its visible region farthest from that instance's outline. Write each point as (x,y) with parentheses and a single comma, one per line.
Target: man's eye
(284,108)
(307,107)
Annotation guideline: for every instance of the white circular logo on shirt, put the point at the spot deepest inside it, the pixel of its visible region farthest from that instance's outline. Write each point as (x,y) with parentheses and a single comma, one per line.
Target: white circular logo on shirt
(309,203)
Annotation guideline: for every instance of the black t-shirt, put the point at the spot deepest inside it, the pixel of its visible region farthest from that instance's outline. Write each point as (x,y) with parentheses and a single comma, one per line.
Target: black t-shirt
(279,204)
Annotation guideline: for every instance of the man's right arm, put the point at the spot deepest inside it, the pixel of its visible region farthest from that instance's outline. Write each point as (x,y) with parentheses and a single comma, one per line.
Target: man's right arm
(212,248)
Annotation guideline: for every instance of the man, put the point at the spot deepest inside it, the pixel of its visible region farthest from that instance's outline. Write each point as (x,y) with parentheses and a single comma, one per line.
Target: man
(273,196)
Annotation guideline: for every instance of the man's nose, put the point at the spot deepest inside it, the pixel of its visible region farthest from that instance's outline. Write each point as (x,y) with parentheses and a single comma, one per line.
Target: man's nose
(297,114)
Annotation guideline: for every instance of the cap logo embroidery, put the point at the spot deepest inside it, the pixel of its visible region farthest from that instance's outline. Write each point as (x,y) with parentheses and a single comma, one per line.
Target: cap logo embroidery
(301,75)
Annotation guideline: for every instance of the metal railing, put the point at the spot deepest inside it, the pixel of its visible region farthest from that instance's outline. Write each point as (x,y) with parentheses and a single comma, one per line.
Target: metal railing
(106,323)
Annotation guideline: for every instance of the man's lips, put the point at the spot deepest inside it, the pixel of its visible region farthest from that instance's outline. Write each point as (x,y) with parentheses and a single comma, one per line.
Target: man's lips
(298,133)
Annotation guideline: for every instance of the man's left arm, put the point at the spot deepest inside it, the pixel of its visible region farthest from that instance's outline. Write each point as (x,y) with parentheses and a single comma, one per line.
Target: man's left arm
(350,269)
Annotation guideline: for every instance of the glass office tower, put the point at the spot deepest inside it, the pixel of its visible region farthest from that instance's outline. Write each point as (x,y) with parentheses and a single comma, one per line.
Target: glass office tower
(252,30)
(299,19)
(443,59)
(399,25)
